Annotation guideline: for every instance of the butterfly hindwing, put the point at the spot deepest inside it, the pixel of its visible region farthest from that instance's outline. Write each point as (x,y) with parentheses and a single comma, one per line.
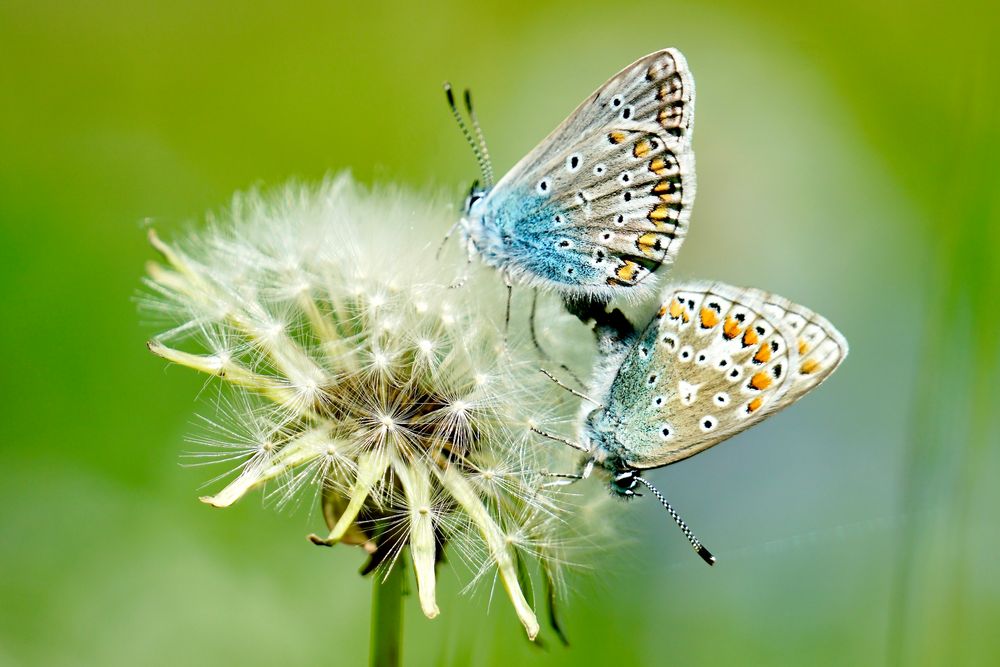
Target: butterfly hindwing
(605,212)
(714,361)
(605,199)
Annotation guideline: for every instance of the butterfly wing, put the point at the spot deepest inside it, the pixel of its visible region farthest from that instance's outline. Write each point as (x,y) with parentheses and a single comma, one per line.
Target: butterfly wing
(657,90)
(605,199)
(714,361)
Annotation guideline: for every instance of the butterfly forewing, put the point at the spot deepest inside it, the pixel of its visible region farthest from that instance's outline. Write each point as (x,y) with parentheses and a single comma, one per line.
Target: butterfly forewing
(605,199)
(714,361)
(656,89)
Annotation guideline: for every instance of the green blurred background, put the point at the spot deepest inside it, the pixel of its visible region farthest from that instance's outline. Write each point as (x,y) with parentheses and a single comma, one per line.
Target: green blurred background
(847,158)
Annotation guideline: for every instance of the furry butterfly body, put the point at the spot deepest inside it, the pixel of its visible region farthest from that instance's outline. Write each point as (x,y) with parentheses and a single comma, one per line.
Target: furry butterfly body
(605,199)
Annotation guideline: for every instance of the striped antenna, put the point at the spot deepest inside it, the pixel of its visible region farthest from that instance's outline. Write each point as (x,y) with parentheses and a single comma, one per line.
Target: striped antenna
(488,176)
(484,166)
(705,554)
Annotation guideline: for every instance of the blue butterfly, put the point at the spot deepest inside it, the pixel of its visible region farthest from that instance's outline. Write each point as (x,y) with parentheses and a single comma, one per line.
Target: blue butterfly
(604,200)
(713,361)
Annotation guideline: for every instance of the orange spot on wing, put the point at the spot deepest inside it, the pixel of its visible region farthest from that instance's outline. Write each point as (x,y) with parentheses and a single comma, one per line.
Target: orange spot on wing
(760,381)
(731,329)
(675,309)
(763,354)
(755,404)
(803,346)
(809,366)
(648,243)
(663,186)
(685,316)
(750,337)
(666,91)
(709,318)
(658,166)
(641,148)
(662,311)
(668,114)
(626,272)
(616,137)
(659,213)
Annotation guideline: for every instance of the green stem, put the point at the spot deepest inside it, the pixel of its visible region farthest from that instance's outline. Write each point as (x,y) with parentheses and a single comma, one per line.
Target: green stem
(387,615)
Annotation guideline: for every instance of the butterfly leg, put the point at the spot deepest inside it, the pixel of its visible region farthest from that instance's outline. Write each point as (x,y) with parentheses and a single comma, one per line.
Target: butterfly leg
(541,351)
(506,317)
(564,441)
(568,478)
(470,250)
(569,389)
(447,236)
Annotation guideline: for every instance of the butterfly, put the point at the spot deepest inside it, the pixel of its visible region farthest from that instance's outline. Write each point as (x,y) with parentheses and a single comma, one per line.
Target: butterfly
(601,202)
(712,362)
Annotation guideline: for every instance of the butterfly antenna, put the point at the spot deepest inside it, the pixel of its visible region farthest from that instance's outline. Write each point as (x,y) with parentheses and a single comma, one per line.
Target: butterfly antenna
(484,167)
(705,554)
(488,176)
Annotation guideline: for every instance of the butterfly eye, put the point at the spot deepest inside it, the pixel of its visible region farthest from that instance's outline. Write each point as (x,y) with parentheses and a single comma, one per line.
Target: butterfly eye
(573,163)
(707,423)
(543,186)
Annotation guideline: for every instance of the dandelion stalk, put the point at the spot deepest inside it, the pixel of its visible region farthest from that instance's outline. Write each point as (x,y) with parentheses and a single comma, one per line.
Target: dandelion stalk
(387,617)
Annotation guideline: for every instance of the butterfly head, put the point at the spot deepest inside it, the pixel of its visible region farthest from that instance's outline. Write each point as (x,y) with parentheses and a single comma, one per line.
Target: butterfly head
(478,235)
(476,194)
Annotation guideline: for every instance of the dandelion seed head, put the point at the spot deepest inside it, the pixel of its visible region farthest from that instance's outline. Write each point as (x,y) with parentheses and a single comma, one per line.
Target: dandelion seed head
(355,375)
